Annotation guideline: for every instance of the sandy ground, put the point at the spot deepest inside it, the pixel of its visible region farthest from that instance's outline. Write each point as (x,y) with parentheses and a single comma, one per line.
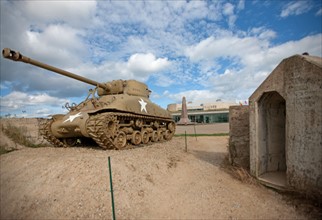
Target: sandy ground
(159,181)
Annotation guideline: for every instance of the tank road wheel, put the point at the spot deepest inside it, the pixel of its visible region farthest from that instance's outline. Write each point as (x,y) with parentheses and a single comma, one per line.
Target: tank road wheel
(70,142)
(139,123)
(171,127)
(145,137)
(160,136)
(120,140)
(154,137)
(156,124)
(167,135)
(111,126)
(136,138)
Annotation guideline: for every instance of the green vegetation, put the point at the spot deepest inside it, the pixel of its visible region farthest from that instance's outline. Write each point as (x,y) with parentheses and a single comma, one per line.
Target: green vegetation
(201,135)
(3,150)
(18,135)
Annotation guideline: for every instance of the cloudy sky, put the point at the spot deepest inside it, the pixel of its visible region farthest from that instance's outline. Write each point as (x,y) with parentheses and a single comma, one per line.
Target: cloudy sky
(204,50)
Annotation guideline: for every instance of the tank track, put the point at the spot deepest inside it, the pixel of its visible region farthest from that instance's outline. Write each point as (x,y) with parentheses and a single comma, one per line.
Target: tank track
(44,131)
(125,130)
(118,131)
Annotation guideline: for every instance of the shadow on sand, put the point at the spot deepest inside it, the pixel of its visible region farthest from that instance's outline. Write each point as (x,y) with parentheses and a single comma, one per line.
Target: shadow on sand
(214,158)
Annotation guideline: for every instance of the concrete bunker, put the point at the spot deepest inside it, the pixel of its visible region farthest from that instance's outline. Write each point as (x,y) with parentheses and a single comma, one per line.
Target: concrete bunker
(271,138)
(285,118)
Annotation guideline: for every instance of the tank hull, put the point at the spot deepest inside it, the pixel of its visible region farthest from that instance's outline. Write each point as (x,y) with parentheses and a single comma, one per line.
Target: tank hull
(113,122)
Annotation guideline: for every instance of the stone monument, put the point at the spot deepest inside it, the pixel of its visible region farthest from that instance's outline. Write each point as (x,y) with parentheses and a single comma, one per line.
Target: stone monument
(184,120)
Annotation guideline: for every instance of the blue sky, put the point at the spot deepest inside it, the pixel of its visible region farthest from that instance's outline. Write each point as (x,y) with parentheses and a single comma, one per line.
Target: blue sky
(204,50)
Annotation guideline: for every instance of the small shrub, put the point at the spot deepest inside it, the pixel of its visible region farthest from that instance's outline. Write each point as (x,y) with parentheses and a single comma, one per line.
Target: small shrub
(3,150)
(237,172)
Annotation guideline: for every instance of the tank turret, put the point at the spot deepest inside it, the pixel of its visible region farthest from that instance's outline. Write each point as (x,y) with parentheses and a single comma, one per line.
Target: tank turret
(122,116)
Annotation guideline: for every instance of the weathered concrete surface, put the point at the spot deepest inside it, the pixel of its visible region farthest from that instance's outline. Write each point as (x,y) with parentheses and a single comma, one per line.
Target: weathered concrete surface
(239,136)
(286,116)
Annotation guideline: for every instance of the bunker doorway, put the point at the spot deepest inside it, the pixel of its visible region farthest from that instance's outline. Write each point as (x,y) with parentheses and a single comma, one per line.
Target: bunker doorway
(271,139)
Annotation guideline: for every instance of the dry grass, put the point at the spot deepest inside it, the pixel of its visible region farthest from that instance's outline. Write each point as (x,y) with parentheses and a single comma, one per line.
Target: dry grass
(238,172)
(19,136)
(4,150)
(242,175)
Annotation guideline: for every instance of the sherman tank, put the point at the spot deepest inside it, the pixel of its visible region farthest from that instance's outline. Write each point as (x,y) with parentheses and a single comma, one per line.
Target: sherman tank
(116,114)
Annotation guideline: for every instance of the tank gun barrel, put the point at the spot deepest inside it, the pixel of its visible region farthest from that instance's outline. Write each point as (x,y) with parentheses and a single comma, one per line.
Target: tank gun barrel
(16,56)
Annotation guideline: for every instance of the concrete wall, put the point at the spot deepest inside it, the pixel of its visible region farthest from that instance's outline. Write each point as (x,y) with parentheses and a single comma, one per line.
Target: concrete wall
(239,136)
(296,83)
(304,107)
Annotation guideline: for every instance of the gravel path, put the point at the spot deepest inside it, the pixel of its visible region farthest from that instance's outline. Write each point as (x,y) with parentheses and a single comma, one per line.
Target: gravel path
(159,181)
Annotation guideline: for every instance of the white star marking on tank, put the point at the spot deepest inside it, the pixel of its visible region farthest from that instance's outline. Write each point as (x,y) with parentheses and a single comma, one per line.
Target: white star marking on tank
(143,105)
(72,117)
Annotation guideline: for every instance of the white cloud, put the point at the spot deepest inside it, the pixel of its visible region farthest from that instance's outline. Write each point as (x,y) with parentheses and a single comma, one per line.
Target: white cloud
(241,5)
(226,46)
(194,96)
(319,12)
(251,58)
(139,66)
(296,8)
(74,13)
(146,63)
(68,37)
(162,43)
(64,50)
(228,10)
(164,80)
(15,100)
(263,33)
(18,102)
(50,31)
(251,48)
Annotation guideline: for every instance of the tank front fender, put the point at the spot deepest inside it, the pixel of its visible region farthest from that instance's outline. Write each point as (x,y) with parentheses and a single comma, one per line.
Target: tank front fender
(71,125)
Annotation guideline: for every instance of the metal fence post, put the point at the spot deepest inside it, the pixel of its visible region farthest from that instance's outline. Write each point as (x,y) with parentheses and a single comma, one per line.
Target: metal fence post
(185,137)
(111,187)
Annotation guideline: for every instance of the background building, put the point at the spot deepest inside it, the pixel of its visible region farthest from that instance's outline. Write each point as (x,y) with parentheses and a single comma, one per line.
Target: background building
(215,112)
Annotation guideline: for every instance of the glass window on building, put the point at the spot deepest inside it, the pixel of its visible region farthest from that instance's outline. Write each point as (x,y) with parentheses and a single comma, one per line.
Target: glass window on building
(206,118)
(176,118)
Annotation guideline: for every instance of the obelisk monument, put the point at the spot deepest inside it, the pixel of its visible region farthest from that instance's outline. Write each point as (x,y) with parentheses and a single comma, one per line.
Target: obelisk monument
(184,120)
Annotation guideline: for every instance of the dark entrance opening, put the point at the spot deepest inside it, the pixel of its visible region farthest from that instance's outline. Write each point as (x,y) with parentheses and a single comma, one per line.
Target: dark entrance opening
(271,138)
